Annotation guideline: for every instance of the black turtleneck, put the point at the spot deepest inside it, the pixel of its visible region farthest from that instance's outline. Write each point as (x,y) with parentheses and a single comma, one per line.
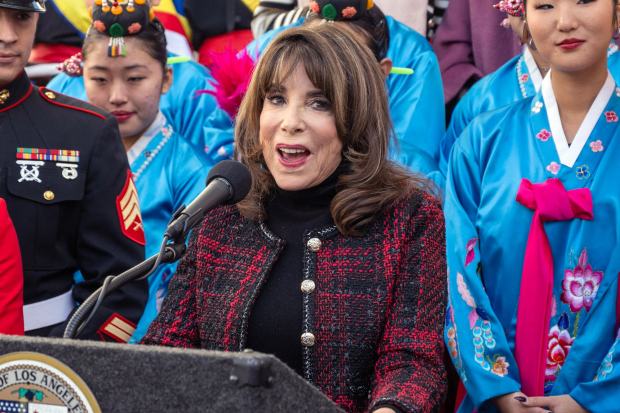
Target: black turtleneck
(275,324)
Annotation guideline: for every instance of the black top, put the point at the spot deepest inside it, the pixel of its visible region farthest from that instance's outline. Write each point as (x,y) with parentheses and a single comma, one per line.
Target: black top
(275,324)
(66,182)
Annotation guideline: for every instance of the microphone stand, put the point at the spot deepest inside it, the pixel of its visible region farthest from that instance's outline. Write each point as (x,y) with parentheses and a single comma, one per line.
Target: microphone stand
(170,252)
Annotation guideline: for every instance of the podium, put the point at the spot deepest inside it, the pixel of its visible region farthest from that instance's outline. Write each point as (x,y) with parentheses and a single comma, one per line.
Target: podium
(134,378)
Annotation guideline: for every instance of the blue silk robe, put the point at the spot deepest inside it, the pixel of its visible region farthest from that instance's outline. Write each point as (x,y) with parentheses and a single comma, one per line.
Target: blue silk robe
(517,79)
(190,114)
(416,101)
(487,232)
(168,172)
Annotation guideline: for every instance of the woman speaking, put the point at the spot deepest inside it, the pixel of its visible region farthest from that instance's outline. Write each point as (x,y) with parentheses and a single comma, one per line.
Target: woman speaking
(335,262)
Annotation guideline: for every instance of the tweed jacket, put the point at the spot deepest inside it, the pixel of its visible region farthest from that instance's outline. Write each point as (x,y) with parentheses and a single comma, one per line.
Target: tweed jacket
(373,306)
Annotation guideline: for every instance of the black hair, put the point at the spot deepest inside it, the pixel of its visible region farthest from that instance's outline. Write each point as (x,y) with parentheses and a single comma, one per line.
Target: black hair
(374,26)
(153,37)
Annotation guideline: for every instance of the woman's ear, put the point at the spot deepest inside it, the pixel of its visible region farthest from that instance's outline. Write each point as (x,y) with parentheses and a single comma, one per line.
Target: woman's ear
(517,24)
(168,78)
(386,66)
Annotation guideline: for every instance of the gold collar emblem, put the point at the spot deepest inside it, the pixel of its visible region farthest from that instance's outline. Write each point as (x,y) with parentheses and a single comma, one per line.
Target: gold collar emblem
(4,96)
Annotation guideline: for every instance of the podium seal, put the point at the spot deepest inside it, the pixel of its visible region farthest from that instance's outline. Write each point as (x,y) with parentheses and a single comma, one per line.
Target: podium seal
(36,383)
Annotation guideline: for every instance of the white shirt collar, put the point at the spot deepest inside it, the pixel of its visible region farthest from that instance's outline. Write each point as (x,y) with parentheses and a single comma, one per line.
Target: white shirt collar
(146,138)
(568,154)
(532,68)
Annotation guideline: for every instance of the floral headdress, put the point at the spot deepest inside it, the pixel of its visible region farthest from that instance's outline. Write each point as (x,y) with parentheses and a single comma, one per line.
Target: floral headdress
(511,7)
(334,10)
(121,18)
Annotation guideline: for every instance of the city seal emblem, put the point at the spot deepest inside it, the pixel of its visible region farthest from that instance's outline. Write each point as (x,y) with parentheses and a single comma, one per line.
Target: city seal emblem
(36,383)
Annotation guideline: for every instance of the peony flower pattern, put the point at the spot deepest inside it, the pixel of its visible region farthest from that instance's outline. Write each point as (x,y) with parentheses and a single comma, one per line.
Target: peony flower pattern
(543,135)
(581,284)
(558,346)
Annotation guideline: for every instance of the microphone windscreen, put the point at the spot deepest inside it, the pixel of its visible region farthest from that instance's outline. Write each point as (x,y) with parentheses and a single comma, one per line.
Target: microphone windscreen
(235,173)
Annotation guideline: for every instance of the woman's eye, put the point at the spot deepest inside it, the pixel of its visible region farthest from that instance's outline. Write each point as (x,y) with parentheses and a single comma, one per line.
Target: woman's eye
(275,99)
(585,1)
(98,80)
(135,79)
(320,104)
(543,6)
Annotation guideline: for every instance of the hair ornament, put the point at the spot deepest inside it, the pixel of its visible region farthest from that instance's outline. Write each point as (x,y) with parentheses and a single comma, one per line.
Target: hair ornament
(72,66)
(340,10)
(120,18)
(512,7)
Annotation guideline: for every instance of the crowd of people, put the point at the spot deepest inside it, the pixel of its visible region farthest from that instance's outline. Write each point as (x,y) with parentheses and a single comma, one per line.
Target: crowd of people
(432,222)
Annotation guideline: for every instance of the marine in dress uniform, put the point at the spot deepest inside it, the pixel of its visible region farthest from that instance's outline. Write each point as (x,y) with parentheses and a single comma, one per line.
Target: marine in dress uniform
(69,191)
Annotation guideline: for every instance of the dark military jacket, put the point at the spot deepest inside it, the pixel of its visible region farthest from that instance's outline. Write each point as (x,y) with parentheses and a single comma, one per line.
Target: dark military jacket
(67,184)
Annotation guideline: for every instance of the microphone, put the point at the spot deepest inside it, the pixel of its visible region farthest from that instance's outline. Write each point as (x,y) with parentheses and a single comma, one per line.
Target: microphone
(228,183)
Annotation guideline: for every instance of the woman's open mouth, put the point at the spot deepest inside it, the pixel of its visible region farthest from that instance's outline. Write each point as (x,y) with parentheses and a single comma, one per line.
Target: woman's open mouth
(292,156)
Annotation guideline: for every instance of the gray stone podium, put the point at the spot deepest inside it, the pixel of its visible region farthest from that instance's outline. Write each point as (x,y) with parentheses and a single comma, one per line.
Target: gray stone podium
(134,379)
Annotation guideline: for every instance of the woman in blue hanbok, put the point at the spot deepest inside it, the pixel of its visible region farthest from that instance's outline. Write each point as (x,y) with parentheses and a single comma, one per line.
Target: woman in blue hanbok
(415,99)
(533,223)
(517,79)
(167,171)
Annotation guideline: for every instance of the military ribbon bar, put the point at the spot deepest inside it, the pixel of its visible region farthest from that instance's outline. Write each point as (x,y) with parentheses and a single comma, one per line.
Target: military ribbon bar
(55,155)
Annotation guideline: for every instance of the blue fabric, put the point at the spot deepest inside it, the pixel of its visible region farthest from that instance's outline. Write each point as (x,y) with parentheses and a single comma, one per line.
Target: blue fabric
(487,231)
(416,101)
(168,173)
(190,114)
(497,89)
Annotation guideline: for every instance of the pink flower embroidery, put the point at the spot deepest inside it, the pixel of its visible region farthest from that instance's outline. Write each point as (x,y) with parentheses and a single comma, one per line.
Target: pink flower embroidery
(464,290)
(597,146)
(466,296)
(580,285)
(524,77)
(544,135)
(471,254)
(558,347)
(500,366)
(349,12)
(611,116)
(554,168)
(314,6)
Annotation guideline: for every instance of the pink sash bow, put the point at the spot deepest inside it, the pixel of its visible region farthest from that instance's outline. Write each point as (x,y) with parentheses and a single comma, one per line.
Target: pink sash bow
(550,201)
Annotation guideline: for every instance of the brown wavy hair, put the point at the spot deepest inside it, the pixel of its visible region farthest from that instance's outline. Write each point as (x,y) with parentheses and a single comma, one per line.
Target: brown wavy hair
(351,79)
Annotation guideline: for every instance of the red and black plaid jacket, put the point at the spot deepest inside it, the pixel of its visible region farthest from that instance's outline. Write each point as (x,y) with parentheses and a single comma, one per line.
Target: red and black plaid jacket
(372,323)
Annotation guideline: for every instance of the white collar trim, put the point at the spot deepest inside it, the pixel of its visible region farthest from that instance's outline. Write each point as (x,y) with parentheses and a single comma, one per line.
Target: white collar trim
(532,68)
(568,154)
(146,138)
